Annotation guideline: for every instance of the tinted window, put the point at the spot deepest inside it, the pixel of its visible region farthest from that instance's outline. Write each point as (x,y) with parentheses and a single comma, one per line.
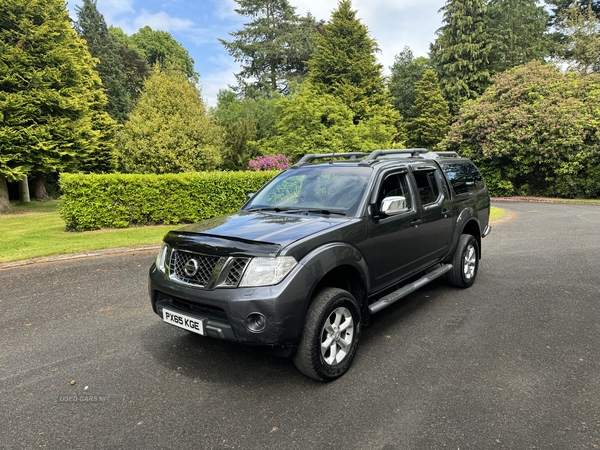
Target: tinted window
(393,186)
(464,177)
(427,185)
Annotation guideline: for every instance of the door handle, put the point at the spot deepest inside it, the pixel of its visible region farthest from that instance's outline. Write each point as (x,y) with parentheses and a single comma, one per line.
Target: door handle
(445,212)
(415,223)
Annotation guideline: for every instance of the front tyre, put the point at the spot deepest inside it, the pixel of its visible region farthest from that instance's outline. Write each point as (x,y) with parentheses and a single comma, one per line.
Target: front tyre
(330,336)
(465,262)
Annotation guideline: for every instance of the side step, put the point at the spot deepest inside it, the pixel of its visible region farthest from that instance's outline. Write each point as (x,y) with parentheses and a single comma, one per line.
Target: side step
(405,290)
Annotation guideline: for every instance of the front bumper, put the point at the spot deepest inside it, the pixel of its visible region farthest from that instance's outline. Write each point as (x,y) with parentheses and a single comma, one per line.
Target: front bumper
(224,310)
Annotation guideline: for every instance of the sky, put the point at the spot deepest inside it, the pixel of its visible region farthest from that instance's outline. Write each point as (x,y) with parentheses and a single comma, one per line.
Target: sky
(197,25)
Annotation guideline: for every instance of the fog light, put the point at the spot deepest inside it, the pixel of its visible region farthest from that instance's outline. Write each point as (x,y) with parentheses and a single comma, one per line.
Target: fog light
(256,322)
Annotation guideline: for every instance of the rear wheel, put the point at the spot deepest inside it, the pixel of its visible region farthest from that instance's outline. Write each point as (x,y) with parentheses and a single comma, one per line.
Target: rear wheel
(465,262)
(330,336)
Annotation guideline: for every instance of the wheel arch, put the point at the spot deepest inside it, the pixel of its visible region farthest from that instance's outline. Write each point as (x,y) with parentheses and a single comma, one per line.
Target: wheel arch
(342,266)
(466,223)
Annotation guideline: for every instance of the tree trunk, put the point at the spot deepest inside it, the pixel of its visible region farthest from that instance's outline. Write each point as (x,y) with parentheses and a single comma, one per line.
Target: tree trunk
(39,188)
(4,202)
(24,190)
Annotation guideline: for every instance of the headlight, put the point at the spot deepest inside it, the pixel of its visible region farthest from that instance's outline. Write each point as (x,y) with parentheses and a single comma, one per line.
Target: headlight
(267,271)
(161,257)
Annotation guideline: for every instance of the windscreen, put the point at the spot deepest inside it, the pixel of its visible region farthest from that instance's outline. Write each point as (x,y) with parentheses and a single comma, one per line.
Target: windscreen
(327,187)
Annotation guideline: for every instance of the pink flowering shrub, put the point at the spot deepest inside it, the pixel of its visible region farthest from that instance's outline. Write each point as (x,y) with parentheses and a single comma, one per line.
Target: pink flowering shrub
(269,162)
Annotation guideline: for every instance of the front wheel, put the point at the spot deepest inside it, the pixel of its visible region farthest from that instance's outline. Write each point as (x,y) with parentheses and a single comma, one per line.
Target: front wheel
(330,336)
(465,262)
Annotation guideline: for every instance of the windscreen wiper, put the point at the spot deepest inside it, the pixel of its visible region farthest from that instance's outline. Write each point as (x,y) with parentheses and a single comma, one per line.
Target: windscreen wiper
(325,211)
(275,209)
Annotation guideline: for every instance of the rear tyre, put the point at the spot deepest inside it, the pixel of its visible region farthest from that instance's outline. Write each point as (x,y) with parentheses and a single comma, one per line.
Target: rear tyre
(465,262)
(330,337)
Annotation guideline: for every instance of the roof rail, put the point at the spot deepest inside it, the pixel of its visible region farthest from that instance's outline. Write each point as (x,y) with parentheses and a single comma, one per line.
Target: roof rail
(309,158)
(404,151)
(447,154)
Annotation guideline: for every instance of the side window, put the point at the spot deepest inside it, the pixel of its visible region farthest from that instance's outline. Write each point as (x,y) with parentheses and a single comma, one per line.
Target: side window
(427,185)
(464,177)
(395,185)
(479,183)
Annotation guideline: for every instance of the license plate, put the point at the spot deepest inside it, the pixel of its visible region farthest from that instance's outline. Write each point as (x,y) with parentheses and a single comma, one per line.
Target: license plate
(182,321)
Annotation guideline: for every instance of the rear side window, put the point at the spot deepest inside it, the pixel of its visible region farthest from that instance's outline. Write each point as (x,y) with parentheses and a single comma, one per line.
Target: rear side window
(427,186)
(464,177)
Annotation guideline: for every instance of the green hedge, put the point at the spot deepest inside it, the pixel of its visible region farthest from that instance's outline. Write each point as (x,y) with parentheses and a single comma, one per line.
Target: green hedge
(118,201)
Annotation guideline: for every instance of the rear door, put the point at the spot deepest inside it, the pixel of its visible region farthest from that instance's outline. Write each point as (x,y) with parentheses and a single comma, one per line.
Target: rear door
(436,212)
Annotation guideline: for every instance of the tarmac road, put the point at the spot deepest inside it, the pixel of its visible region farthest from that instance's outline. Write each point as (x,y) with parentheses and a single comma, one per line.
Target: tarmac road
(511,363)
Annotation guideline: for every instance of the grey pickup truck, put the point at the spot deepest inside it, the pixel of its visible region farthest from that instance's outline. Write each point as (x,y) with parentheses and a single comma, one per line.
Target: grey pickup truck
(322,246)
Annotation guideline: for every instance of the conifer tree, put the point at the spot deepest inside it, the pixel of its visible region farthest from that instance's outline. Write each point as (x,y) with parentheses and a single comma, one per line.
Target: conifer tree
(405,72)
(430,117)
(49,94)
(273,47)
(92,28)
(169,130)
(580,46)
(460,53)
(345,65)
(343,105)
(517,33)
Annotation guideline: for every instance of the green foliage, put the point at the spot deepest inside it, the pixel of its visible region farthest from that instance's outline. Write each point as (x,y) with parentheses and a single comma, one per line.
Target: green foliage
(430,117)
(343,105)
(160,47)
(406,71)
(460,54)
(135,66)
(92,28)
(243,120)
(344,64)
(51,100)
(534,131)
(560,6)
(273,47)
(517,33)
(169,130)
(580,46)
(313,122)
(119,201)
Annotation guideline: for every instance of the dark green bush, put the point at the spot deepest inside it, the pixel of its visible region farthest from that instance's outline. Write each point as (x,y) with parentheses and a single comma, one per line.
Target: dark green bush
(119,201)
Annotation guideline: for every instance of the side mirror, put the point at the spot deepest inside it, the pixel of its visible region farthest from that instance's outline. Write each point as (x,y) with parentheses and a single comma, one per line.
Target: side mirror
(250,195)
(391,206)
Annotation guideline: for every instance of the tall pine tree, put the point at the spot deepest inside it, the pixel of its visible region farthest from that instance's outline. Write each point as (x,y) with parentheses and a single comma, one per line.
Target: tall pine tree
(91,26)
(345,65)
(273,47)
(460,53)
(405,72)
(517,33)
(430,117)
(51,98)
(580,44)
(343,105)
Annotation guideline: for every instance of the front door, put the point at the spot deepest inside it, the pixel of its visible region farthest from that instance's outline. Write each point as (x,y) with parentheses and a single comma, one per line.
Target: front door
(392,248)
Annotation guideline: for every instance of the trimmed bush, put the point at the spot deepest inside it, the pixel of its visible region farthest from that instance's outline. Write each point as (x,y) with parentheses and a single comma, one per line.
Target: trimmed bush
(118,201)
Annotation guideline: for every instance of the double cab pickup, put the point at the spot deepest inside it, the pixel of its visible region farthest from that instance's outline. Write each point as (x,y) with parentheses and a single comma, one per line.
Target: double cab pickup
(322,246)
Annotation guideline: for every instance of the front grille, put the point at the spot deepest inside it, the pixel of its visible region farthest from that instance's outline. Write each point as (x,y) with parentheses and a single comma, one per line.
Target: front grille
(235,273)
(192,268)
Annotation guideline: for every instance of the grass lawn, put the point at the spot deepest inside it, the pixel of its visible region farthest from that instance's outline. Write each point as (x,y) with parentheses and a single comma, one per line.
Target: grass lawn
(496,213)
(36,230)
